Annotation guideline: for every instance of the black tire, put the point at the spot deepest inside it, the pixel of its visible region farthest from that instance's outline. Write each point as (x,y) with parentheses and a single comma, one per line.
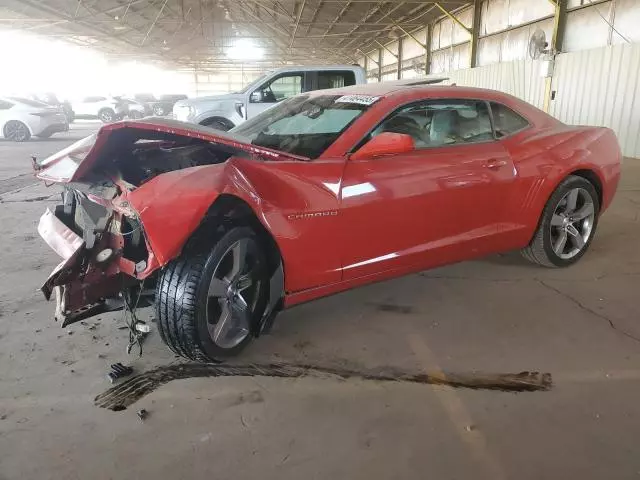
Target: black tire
(182,297)
(107,115)
(540,250)
(16,131)
(135,115)
(217,124)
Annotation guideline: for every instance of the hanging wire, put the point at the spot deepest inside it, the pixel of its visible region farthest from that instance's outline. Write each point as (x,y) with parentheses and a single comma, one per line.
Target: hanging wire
(131,320)
(608,22)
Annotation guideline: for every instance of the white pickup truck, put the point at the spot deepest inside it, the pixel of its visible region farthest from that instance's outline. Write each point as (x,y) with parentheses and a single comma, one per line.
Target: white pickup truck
(224,112)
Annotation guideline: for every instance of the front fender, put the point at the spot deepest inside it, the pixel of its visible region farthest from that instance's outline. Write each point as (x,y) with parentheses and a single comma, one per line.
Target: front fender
(227,112)
(172,205)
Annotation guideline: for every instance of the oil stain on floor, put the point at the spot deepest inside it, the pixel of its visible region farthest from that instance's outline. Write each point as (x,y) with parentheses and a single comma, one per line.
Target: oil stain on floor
(125,394)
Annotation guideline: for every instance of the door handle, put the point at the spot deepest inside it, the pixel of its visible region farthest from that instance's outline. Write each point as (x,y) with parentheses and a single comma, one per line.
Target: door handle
(494,163)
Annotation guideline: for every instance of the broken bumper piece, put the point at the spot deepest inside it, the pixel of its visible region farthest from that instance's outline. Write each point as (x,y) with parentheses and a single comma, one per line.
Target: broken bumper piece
(87,282)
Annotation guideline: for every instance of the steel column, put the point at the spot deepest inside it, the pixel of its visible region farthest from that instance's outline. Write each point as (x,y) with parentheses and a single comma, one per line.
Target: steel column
(475,32)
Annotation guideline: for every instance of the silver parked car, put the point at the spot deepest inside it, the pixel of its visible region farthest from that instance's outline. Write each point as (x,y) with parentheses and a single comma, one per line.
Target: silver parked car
(224,112)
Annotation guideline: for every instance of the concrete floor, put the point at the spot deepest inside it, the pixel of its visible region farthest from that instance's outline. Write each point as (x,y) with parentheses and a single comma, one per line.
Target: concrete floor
(494,315)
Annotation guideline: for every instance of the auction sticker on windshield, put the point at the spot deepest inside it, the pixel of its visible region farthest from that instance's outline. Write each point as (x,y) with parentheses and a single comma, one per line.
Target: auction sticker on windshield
(359,99)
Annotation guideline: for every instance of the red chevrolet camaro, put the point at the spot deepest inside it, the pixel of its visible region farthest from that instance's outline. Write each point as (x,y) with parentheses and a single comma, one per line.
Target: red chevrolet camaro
(323,192)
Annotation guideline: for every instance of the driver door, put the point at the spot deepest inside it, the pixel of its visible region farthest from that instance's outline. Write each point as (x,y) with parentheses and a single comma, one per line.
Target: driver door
(440,203)
(275,89)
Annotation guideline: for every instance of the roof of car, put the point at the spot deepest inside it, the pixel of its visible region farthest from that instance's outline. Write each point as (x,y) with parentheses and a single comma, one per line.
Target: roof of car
(313,68)
(387,89)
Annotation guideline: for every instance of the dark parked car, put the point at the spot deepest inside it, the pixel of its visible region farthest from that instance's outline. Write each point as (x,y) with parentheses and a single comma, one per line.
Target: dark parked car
(51,99)
(147,100)
(161,106)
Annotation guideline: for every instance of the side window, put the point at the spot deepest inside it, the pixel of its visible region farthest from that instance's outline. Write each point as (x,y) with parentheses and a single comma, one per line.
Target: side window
(335,79)
(436,123)
(285,86)
(506,121)
(5,105)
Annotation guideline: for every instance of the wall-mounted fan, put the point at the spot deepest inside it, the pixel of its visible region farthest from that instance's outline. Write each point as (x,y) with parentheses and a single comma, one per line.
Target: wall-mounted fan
(538,44)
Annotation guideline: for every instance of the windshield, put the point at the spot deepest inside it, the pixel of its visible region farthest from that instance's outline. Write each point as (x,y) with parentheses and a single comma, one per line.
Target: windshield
(253,84)
(304,125)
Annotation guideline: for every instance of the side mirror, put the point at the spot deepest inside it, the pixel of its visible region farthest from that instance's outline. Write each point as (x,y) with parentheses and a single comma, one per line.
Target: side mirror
(385,143)
(256,97)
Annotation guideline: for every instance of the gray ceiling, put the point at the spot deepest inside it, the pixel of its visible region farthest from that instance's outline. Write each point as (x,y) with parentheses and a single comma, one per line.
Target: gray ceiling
(197,32)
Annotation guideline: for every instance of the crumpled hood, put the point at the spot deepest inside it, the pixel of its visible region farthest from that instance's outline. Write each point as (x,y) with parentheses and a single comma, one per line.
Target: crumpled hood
(75,161)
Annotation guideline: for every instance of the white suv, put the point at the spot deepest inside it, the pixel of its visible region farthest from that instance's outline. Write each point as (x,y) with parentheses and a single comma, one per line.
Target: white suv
(224,112)
(104,108)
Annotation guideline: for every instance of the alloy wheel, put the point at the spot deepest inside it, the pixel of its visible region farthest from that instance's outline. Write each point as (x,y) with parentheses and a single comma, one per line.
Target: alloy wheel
(106,116)
(233,295)
(572,223)
(16,131)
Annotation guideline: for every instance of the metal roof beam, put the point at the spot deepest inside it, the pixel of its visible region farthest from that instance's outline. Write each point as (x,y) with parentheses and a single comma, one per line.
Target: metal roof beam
(314,16)
(454,18)
(295,29)
(339,16)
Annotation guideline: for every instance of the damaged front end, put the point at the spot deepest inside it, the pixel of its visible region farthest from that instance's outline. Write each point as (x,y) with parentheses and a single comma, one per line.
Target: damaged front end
(132,196)
(104,254)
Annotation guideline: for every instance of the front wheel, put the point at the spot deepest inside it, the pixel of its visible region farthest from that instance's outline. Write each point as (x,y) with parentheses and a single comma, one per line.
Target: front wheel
(208,301)
(158,110)
(216,124)
(567,225)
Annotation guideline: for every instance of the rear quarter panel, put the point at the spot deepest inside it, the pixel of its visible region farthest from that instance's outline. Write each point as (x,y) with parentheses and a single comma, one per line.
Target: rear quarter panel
(542,159)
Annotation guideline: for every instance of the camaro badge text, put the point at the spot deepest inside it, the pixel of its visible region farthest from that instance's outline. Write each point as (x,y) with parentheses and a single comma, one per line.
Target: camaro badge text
(300,216)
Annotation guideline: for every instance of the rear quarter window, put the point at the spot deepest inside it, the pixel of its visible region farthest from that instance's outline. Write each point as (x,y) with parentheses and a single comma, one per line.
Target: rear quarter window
(506,121)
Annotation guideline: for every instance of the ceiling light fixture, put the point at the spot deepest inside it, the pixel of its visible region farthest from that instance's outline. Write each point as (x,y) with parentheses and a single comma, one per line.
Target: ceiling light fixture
(245,49)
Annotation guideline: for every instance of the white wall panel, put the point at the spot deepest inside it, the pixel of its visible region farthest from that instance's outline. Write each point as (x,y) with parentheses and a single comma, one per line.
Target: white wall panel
(495,16)
(523,11)
(459,34)
(411,48)
(627,20)
(387,58)
(521,79)
(586,29)
(510,45)
(446,31)
(498,15)
(601,87)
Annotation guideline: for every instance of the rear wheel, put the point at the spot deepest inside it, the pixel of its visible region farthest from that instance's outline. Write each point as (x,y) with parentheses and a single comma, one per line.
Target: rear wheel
(207,301)
(16,131)
(106,115)
(567,226)
(135,114)
(158,110)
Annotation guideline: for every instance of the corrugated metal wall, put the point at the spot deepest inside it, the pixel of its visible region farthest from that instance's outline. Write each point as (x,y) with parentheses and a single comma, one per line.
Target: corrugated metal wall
(601,87)
(520,78)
